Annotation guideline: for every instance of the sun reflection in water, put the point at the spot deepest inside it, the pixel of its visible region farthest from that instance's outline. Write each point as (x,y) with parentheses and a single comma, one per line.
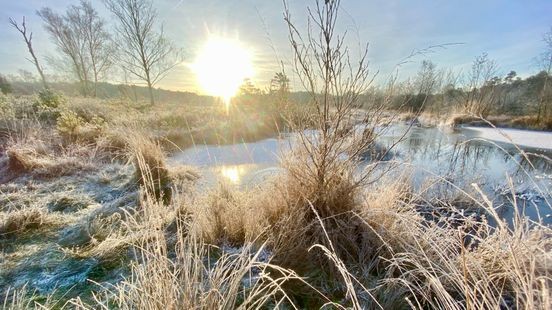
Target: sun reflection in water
(232,173)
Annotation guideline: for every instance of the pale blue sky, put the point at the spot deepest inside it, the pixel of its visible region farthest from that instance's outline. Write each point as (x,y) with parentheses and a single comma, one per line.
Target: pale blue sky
(509,31)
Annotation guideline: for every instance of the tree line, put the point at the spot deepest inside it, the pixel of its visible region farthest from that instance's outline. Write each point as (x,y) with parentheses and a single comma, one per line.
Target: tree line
(480,91)
(88,50)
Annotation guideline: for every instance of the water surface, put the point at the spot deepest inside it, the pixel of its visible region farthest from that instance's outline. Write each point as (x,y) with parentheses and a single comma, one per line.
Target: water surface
(445,160)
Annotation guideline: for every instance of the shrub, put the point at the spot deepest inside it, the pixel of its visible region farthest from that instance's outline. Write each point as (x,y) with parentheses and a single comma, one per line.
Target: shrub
(47,105)
(88,109)
(73,128)
(69,124)
(3,104)
(5,86)
(97,122)
(48,98)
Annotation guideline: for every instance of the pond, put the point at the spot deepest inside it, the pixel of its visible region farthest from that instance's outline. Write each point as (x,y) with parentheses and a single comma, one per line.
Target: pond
(452,159)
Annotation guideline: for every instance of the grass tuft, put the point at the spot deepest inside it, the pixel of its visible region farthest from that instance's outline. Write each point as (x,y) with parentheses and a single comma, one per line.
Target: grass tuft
(20,221)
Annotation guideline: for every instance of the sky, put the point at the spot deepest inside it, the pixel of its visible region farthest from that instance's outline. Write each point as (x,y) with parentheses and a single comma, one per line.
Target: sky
(509,31)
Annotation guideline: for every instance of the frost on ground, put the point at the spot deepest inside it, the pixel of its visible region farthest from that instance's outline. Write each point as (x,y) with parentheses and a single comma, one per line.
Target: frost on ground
(525,138)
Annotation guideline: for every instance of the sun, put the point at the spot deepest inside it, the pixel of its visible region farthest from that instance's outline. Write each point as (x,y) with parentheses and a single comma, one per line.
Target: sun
(221,67)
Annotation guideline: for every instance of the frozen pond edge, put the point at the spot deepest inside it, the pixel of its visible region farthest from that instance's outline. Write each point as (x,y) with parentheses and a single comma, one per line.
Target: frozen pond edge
(520,137)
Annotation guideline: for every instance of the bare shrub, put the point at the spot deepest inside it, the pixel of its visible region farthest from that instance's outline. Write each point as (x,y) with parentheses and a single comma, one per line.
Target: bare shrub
(321,173)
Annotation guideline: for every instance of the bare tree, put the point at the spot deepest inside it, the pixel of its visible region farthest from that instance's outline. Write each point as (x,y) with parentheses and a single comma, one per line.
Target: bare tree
(425,83)
(449,93)
(28,37)
(279,83)
(480,94)
(5,86)
(145,52)
(69,43)
(427,78)
(279,90)
(82,40)
(97,41)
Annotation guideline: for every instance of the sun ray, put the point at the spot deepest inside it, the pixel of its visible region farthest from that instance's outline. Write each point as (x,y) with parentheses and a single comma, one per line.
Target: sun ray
(221,67)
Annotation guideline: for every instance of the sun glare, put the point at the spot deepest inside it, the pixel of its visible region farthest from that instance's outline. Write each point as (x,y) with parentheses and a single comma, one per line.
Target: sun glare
(221,67)
(232,173)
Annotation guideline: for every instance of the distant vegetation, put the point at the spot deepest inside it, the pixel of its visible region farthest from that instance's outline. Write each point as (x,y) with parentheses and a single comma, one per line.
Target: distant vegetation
(481,93)
(5,86)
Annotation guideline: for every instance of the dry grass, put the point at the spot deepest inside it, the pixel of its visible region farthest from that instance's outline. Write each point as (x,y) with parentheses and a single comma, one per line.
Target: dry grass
(180,271)
(32,147)
(460,119)
(193,279)
(116,233)
(531,121)
(44,163)
(495,268)
(20,221)
(151,170)
(507,121)
(19,300)
(384,254)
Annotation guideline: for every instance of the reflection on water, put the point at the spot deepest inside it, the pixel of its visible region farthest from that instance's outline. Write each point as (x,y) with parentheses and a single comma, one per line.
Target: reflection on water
(449,160)
(232,173)
(239,164)
(442,164)
(260,152)
(459,158)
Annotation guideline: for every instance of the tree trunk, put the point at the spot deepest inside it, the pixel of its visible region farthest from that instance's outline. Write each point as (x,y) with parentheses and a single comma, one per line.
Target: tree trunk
(150,85)
(95,85)
(150,88)
(542,101)
(35,59)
